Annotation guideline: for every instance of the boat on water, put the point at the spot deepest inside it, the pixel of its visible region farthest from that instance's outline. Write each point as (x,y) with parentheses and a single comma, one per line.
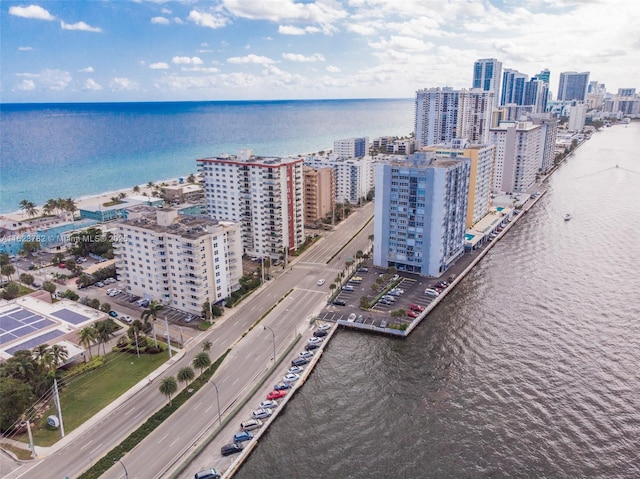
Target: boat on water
(567,217)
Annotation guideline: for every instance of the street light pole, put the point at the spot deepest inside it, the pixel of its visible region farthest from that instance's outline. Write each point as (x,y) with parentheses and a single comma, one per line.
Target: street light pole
(126,474)
(274,341)
(218,399)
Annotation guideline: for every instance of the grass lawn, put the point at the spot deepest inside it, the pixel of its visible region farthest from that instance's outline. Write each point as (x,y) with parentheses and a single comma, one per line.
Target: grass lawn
(87,395)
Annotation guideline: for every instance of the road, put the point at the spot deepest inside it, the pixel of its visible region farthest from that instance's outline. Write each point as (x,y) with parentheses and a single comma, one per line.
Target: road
(249,359)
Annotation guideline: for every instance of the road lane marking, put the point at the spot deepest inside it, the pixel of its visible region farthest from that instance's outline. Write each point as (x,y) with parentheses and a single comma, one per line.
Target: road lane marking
(86,444)
(177,439)
(209,408)
(94,449)
(234,382)
(197,406)
(163,438)
(129,411)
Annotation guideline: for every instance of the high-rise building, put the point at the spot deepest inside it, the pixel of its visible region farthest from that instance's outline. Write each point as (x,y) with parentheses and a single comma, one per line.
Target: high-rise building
(480,176)
(353,177)
(487,73)
(544,75)
(536,93)
(420,213)
(351,147)
(573,86)
(264,195)
(513,86)
(319,194)
(577,116)
(519,149)
(180,260)
(444,114)
(549,131)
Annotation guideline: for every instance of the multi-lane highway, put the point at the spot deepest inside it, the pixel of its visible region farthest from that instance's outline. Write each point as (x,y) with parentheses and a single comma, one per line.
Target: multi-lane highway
(249,359)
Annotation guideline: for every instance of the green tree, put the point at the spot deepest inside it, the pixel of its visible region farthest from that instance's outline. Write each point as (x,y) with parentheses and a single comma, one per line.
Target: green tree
(206,346)
(72,295)
(87,336)
(29,208)
(105,330)
(11,290)
(30,247)
(59,354)
(136,189)
(7,270)
(152,311)
(26,278)
(105,307)
(191,178)
(201,361)
(94,303)
(15,398)
(168,387)
(4,259)
(186,374)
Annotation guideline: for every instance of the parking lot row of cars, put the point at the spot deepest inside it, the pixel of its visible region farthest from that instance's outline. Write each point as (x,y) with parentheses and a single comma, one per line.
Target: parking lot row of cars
(267,407)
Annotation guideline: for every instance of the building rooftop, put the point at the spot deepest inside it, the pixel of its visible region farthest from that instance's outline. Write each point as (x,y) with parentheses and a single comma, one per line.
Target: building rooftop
(168,220)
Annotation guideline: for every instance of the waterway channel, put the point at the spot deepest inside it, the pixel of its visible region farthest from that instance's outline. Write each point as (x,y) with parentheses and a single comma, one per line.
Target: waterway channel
(530,368)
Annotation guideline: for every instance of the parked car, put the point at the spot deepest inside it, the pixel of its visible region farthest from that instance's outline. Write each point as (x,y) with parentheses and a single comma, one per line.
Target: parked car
(324,327)
(360,319)
(295,369)
(311,347)
(412,314)
(385,301)
(363,270)
(320,282)
(416,307)
(388,297)
(113,314)
(242,436)
(126,318)
(315,340)
(133,299)
(320,333)
(100,284)
(351,318)
(251,424)
(297,362)
(268,404)
(261,413)
(280,387)
(229,449)
(431,292)
(208,474)
(384,323)
(348,288)
(306,354)
(340,302)
(278,393)
(291,377)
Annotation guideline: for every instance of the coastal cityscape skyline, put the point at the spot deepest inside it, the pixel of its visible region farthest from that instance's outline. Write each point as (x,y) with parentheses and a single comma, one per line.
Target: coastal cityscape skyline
(233,49)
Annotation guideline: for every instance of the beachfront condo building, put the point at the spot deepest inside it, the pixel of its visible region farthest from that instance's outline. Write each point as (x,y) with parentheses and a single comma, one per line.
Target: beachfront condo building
(513,87)
(353,176)
(481,159)
(549,131)
(577,116)
(444,114)
(319,194)
(179,260)
(351,148)
(573,86)
(487,73)
(420,213)
(518,157)
(263,194)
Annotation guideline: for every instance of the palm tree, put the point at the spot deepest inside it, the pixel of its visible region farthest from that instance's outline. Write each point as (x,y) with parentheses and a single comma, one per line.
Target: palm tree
(168,386)
(69,205)
(87,336)
(206,346)
(29,207)
(186,374)
(40,352)
(50,207)
(136,189)
(104,331)
(7,270)
(201,361)
(152,311)
(59,354)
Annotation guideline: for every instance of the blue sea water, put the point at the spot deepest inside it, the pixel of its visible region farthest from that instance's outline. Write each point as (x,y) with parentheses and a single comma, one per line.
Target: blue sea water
(73,150)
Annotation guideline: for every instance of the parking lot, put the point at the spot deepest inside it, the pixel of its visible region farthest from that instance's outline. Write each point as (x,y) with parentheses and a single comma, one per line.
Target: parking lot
(400,293)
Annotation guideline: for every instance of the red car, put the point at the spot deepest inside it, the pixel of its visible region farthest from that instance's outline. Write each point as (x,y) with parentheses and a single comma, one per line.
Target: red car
(412,314)
(416,307)
(276,394)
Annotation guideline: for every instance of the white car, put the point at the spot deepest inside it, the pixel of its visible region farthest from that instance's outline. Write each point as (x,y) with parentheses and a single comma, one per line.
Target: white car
(325,327)
(262,413)
(126,318)
(431,292)
(291,377)
(315,340)
(268,404)
(295,369)
(320,282)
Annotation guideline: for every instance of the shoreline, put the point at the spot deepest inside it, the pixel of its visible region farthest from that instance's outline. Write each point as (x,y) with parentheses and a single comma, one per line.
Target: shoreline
(95,199)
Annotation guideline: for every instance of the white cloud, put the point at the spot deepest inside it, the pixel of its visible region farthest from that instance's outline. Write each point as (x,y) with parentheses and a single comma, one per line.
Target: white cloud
(200,69)
(251,58)
(165,11)
(333,69)
(296,57)
(90,84)
(362,29)
(291,30)
(209,20)
(56,80)
(121,83)
(80,26)
(26,85)
(397,42)
(159,66)
(320,12)
(187,60)
(86,70)
(25,49)
(160,21)
(178,20)
(32,11)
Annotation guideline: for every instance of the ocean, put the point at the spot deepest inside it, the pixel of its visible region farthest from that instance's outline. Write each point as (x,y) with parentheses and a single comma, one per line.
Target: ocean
(75,150)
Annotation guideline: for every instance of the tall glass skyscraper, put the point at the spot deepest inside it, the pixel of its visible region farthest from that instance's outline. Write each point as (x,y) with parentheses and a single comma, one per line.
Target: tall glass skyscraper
(486,76)
(573,86)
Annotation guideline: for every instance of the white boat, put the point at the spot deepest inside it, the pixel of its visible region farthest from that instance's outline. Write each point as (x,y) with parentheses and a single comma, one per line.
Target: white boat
(567,217)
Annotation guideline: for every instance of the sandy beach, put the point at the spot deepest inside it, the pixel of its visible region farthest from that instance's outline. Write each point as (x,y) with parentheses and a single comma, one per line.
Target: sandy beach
(93,201)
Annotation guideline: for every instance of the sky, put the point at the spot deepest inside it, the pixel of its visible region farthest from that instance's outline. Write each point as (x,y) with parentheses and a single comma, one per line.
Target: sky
(156,50)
